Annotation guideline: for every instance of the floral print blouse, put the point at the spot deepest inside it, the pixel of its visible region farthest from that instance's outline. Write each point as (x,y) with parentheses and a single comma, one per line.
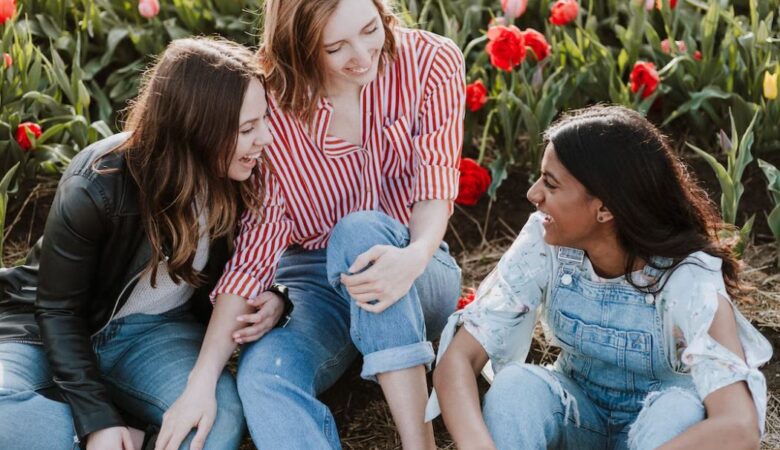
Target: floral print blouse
(503,316)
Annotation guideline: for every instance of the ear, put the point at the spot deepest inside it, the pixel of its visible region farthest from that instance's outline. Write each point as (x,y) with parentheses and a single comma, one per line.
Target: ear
(603,214)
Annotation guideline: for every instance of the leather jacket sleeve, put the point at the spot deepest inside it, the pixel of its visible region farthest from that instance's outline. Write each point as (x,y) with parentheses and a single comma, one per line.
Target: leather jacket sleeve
(78,223)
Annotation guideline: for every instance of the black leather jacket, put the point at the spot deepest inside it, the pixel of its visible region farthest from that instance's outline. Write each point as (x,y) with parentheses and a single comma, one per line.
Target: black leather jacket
(93,252)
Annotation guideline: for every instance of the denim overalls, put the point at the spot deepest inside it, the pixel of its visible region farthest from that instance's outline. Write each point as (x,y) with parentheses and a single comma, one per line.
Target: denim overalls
(612,385)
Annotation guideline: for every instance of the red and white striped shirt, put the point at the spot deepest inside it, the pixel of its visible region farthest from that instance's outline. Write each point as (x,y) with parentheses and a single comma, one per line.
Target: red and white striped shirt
(412,132)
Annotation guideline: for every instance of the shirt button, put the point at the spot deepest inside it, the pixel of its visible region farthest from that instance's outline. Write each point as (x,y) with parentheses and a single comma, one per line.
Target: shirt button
(649,299)
(566,279)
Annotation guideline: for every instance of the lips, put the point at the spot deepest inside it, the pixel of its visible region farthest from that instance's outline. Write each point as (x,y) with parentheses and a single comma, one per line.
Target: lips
(249,160)
(357,70)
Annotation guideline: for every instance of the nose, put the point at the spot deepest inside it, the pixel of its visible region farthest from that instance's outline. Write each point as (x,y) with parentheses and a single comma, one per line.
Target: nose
(362,55)
(264,137)
(535,194)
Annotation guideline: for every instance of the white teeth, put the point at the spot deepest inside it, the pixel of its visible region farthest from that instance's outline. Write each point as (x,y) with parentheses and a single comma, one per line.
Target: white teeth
(250,157)
(358,70)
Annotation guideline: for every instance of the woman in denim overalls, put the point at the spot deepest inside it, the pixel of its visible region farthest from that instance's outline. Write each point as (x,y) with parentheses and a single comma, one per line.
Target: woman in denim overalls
(623,264)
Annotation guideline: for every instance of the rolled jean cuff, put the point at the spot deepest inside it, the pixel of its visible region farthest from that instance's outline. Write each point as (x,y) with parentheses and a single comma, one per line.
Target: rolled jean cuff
(397,358)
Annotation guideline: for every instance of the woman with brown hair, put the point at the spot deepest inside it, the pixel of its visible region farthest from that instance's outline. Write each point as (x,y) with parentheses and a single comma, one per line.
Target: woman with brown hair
(137,236)
(367,124)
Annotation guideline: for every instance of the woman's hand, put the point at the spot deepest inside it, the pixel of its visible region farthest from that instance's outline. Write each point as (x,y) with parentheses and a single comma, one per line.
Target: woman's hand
(110,439)
(390,277)
(270,307)
(195,408)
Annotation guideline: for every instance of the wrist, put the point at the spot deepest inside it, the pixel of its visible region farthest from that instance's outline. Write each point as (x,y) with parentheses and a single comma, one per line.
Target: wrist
(420,255)
(282,291)
(200,379)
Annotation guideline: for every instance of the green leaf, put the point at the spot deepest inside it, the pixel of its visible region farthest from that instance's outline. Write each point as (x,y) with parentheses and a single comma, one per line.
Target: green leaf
(744,237)
(772,175)
(696,101)
(726,184)
(773,220)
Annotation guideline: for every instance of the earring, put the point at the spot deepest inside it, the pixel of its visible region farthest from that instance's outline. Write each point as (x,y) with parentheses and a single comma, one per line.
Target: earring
(600,219)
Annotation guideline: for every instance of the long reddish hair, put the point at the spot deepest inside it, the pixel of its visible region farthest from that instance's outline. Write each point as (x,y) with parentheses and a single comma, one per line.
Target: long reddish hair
(291,51)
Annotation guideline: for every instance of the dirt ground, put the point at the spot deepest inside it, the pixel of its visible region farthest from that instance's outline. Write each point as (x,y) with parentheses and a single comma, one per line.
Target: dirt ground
(478,236)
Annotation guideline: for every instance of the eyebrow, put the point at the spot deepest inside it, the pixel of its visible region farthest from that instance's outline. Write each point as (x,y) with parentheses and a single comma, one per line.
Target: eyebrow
(254,119)
(372,22)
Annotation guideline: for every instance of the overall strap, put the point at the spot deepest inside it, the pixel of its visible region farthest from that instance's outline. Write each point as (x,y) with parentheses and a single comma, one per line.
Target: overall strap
(570,260)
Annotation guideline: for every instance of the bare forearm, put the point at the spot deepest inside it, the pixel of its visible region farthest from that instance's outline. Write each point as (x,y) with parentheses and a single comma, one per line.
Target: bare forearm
(218,343)
(715,433)
(427,225)
(455,380)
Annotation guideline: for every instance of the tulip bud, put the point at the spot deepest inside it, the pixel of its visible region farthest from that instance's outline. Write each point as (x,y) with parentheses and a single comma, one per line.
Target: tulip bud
(770,85)
(149,8)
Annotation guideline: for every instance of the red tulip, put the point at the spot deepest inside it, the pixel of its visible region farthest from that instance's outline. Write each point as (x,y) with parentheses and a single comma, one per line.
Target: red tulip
(506,46)
(644,75)
(7,10)
(537,42)
(149,8)
(7,60)
(564,11)
(513,8)
(474,182)
(21,134)
(467,298)
(476,95)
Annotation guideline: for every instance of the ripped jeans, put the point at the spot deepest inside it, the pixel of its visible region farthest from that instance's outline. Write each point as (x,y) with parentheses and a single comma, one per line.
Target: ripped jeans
(612,386)
(550,411)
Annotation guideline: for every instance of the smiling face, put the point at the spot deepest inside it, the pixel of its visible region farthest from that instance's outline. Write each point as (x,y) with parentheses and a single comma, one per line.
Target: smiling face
(571,213)
(253,132)
(352,44)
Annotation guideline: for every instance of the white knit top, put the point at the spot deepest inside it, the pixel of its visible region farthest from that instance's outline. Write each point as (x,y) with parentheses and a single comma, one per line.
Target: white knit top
(167,295)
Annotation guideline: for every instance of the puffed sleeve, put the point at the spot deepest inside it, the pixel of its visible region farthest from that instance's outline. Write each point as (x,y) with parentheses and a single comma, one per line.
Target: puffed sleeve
(503,315)
(692,301)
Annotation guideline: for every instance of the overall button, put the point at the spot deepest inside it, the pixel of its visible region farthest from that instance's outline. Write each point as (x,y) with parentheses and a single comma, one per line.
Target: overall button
(566,279)
(649,299)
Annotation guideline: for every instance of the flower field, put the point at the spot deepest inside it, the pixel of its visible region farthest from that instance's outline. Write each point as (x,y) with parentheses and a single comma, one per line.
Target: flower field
(705,71)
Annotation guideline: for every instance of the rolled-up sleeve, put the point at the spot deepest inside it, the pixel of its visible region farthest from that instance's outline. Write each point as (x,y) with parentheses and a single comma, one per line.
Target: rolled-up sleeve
(262,238)
(503,315)
(693,293)
(438,145)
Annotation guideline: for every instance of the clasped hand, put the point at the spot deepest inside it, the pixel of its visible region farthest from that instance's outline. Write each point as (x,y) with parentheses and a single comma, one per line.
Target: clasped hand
(390,276)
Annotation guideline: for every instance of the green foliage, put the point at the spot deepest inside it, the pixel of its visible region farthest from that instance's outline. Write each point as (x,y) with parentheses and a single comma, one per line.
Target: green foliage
(4,184)
(76,63)
(738,156)
(773,184)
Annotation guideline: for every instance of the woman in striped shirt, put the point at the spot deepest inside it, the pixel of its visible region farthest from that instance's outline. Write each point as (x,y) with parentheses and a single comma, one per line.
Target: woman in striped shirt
(358,188)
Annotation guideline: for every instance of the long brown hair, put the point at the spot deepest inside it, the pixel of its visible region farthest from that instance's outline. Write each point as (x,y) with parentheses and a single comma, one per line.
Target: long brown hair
(183,132)
(659,209)
(291,51)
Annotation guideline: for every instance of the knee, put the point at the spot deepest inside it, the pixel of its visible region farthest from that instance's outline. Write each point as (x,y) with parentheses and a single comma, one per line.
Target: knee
(357,232)
(264,371)
(664,415)
(520,408)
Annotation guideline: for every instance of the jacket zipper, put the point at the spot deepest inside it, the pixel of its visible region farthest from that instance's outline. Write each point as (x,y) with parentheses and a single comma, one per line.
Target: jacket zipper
(118,299)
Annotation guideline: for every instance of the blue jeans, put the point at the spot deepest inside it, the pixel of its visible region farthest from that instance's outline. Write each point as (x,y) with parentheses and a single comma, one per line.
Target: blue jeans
(531,407)
(145,361)
(280,375)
